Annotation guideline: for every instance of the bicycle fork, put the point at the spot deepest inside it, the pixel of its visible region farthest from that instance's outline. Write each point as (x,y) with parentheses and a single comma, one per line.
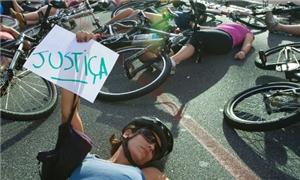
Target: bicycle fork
(9,74)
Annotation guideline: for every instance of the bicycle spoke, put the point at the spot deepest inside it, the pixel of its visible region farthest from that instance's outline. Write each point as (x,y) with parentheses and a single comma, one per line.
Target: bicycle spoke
(23,74)
(13,102)
(264,107)
(29,94)
(253,109)
(36,90)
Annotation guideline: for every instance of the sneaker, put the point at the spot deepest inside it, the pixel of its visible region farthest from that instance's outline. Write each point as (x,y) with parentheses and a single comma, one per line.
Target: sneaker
(19,17)
(270,21)
(173,70)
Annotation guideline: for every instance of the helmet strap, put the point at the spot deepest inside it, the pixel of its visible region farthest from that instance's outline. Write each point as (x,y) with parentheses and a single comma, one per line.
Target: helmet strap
(127,152)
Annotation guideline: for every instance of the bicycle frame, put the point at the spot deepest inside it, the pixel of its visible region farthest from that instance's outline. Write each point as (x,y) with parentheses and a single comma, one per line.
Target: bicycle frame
(8,75)
(275,103)
(287,61)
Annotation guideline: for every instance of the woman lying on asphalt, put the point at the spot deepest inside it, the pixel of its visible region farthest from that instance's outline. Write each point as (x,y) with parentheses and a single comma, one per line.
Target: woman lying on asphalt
(143,141)
(217,40)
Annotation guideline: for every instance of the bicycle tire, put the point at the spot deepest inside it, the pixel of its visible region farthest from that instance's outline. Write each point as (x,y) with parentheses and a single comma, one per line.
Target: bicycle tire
(28,97)
(9,21)
(239,113)
(33,30)
(252,21)
(270,60)
(119,87)
(134,5)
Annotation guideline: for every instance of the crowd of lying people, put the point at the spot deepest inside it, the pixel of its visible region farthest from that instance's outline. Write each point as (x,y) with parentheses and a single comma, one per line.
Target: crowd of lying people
(145,139)
(228,35)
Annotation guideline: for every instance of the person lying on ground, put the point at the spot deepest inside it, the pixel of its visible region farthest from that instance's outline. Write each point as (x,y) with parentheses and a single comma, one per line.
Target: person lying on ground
(143,140)
(217,40)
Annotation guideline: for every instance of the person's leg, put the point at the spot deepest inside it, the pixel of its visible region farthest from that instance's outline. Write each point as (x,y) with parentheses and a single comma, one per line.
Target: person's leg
(129,12)
(123,14)
(184,53)
(32,17)
(273,25)
(290,29)
(16,6)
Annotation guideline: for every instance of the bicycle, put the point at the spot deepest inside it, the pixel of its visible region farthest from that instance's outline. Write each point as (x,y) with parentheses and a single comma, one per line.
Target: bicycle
(9,21)
(65,15)
(143,64)
(24,95)
(148,5)
(253,15)
(270,106)
(19,87)
(159,6)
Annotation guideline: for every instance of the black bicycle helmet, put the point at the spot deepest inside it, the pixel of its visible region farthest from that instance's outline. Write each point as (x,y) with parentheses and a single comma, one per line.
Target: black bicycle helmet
(156,126)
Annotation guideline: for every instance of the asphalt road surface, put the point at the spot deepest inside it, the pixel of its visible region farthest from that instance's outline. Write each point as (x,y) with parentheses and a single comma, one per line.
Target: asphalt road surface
(191,103)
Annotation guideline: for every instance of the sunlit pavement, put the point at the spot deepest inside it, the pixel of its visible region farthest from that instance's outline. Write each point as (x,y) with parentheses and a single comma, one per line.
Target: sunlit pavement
(191,103)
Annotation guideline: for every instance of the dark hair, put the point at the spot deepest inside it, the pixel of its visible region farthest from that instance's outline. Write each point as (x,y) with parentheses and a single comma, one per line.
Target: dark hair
(115,143)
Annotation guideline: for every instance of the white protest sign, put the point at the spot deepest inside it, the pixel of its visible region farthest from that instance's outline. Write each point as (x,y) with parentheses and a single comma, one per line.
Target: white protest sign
(79,67)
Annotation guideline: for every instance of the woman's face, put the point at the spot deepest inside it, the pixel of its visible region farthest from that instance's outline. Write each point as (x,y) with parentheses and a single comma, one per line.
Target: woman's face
(142,147)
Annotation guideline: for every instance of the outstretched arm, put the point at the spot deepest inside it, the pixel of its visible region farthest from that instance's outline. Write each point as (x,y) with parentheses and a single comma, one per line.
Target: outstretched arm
(67,103)
(247,45)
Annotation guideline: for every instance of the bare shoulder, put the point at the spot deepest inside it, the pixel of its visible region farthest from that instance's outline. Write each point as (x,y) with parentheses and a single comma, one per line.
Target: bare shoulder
(152,173)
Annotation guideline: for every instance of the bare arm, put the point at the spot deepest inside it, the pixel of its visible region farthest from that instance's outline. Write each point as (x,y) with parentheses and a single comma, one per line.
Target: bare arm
(247,45)
(67,103)
(152,173)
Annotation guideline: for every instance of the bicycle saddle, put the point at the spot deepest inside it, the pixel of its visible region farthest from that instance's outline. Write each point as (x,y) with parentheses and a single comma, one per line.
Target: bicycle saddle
(59,4)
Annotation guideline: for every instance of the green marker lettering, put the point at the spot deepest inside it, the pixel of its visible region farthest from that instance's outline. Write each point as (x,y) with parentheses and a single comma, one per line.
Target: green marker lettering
(85,64)
(60,60)
(76,54)
(93,57)
(70,60)
(42,58)
(103,69)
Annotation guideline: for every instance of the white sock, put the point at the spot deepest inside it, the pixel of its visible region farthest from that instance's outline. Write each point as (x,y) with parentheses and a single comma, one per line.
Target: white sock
(173,63)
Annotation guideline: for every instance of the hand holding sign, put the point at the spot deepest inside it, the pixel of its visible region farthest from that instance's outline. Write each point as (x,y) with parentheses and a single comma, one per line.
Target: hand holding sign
(79,67)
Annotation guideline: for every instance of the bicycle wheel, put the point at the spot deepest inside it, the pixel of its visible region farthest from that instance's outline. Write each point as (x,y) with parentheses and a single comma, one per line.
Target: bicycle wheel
(137,6)
(252,21)
(28,96)
(9,21)
(131,78)
(133,5)
(280,58)
(33,31)
(249,110)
